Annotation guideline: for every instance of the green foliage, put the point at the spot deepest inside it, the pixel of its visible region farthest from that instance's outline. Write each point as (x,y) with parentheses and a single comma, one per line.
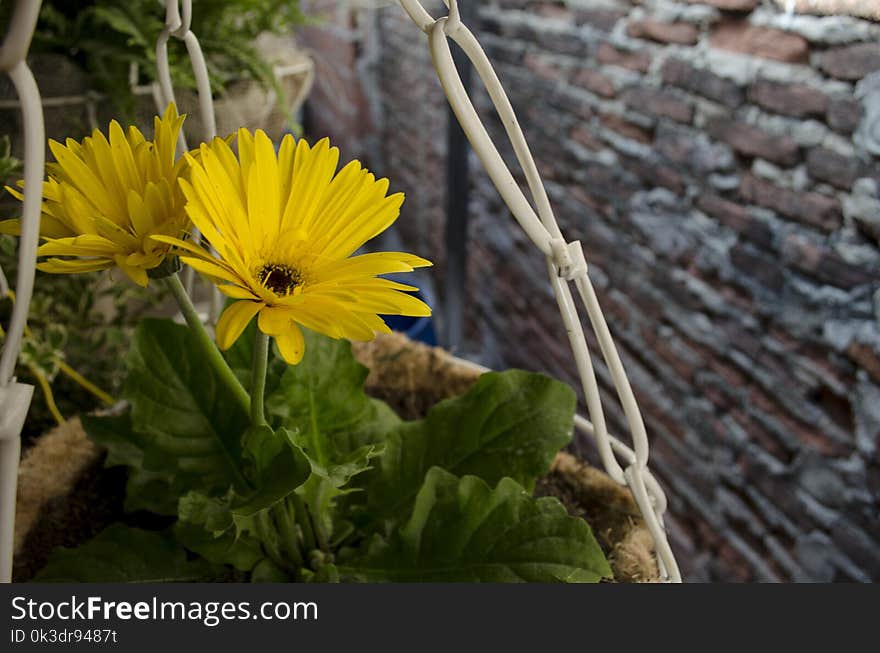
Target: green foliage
(108,37)
(190,423)
(77,319)
(463,530)
(337,487)
(120,554)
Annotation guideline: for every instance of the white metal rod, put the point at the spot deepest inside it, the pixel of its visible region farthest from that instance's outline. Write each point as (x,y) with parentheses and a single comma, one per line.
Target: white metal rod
(15,398)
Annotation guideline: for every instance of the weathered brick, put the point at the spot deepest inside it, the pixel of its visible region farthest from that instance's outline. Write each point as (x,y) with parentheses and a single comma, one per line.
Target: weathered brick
(813,209)
(626,128)
(736,217)
(609,55)
(542,65)
(796,100)
(852,61)
(866,357)
(844,114)
(659,103)
(754,142)
(603,19)
(728,5)
(690,149)
(823,264)
(833,168)
(764,268)
(594,81)
(765,42)
(655,174)
(585,137)
(701,81)
(662,32)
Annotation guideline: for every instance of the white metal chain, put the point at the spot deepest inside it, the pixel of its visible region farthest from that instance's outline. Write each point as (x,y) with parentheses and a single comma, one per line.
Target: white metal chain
(178,18)
(565,263)
(15,398)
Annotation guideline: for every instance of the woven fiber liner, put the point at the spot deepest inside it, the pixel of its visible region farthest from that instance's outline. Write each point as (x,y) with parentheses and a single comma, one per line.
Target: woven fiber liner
(66,496)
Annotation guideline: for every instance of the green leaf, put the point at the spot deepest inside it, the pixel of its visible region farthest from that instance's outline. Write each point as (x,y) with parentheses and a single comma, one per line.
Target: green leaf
(340,428)
(461,530)
(509,424)
(206,527)
(323,400)
(120,554)
(145,490)
(280,467)
(189,422)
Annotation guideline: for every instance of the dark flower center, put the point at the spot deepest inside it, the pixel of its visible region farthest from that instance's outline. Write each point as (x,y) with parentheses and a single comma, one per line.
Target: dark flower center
(279,278)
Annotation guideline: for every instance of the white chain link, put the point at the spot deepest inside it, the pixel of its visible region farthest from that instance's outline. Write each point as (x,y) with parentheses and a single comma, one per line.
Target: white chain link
(178,18)
(565,263)
(15,398)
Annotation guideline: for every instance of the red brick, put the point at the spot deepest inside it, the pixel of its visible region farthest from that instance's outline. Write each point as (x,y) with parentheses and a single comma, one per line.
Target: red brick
(595,82)
(833,168)
(813,209)
(655,30)
(739,36)
(542,66)
(729,5)
(736,217)
(697,80)
(754,142)
(844,114)
(851,62)
(659,103)
(796,100)
(866,358)
(586,138)
(604,19)
(626,128)
(655,174)
(823,264)
(610,55)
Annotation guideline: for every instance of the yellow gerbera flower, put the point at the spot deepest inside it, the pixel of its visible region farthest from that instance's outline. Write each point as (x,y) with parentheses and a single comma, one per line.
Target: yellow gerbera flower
(104,199)
(284,228)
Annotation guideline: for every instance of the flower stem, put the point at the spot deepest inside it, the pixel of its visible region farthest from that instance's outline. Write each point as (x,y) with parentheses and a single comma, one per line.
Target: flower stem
(258,378)
(209,349)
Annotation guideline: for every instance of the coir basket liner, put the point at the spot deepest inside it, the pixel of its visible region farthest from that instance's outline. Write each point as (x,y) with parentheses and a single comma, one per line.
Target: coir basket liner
(66,496)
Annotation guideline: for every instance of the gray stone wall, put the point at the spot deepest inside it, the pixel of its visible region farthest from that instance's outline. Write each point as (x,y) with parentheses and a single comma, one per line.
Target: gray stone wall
(718,160)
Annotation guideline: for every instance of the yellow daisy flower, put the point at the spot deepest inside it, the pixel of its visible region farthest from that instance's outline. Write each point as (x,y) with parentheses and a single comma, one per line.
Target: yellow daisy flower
(284,228)
(104,199)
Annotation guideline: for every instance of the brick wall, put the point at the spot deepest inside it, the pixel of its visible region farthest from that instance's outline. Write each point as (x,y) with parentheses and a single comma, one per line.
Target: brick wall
(718,161)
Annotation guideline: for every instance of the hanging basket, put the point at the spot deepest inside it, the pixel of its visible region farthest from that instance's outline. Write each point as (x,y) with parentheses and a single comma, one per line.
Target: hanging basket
(66,495)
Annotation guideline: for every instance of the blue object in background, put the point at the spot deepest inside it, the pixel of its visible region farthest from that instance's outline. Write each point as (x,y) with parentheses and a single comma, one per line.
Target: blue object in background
(415,328)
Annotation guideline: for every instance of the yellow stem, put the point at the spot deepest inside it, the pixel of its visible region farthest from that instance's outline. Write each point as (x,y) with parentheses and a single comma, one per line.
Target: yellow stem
(84,383)
(47,394)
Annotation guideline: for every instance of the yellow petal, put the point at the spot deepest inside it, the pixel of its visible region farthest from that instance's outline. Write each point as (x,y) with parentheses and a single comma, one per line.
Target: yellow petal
(291,345)
(66,266)
(275,320)
(236,292)
(214,269)
(234,320)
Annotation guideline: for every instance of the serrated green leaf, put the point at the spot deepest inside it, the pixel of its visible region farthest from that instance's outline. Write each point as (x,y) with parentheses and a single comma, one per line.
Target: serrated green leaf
(120,554)
(190,423)
(509,424)
(461,530)
(323,400)
(280,468)
(336,424)
(206,527)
